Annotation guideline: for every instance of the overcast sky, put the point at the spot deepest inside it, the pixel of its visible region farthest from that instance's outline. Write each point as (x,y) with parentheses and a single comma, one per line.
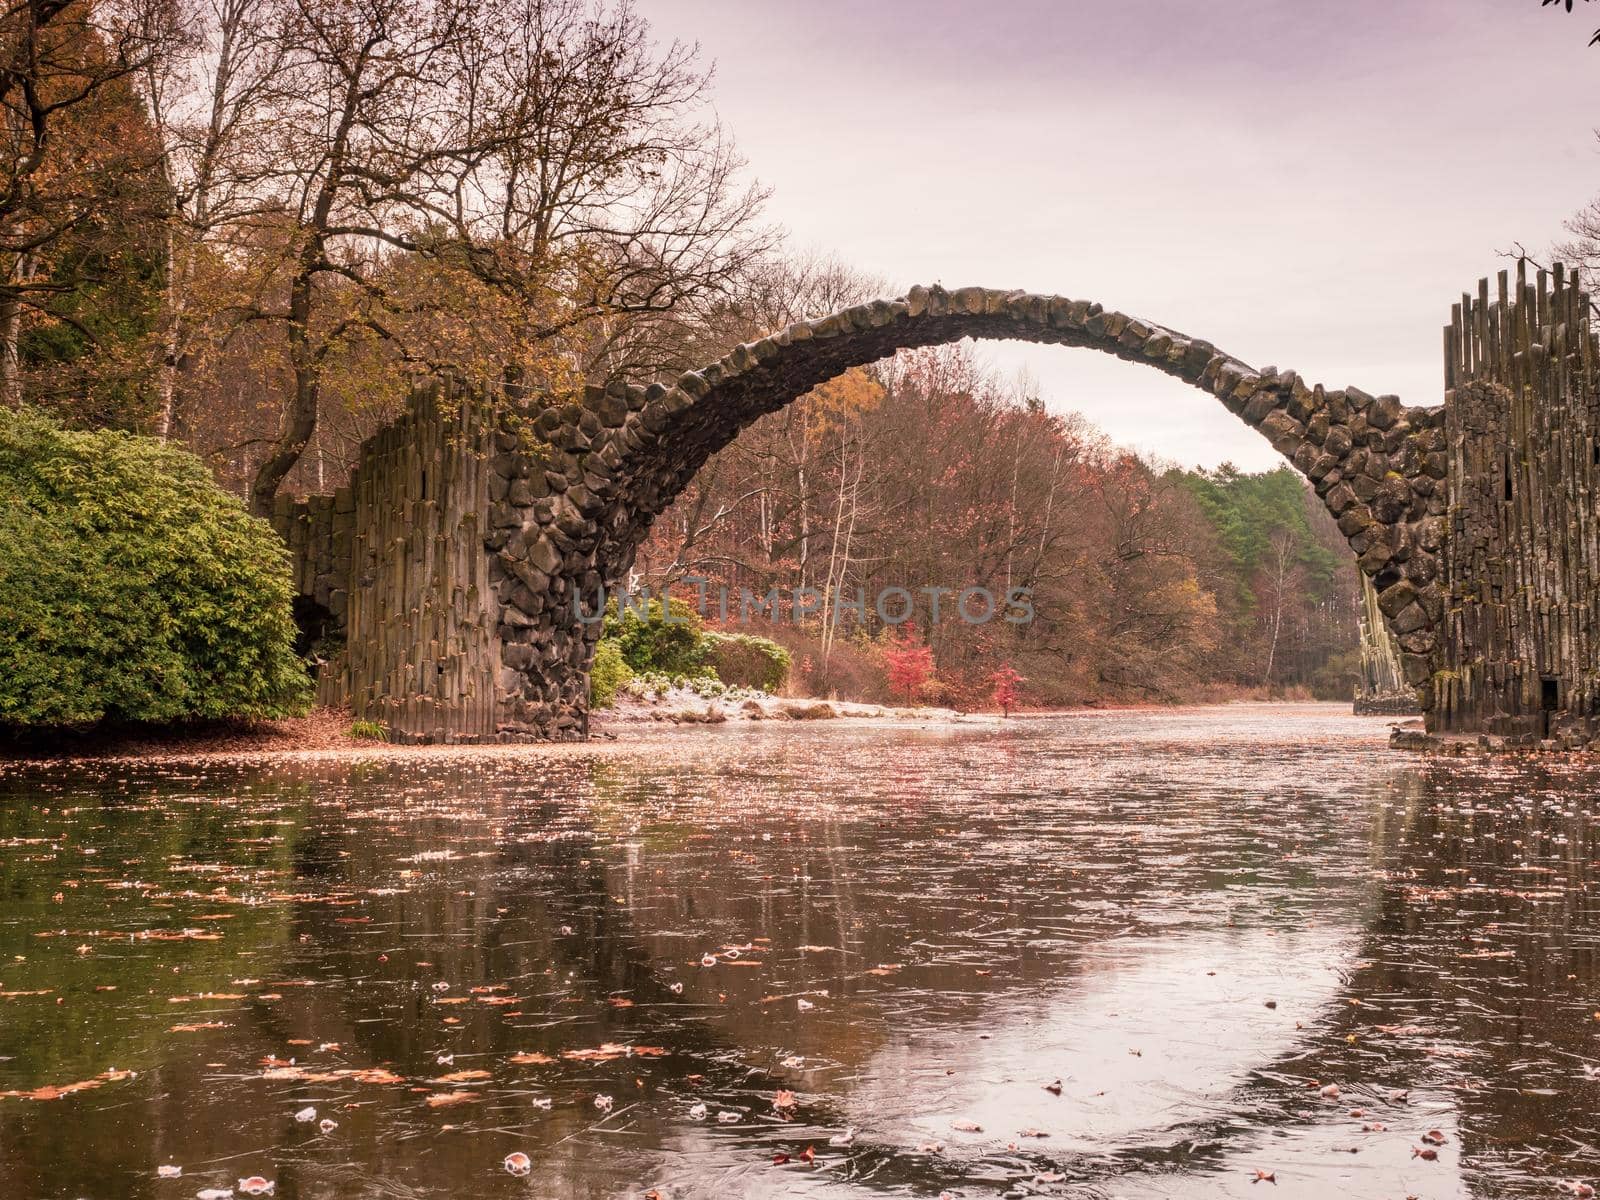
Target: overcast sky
(1305,184)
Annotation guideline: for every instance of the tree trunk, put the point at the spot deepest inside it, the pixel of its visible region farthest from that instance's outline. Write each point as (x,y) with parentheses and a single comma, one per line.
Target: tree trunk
(177,296)
(300,417)
(300,422)
(10,355)
(11,335)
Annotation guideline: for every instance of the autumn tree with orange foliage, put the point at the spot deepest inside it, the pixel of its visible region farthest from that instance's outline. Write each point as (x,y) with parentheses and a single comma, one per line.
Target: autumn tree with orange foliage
(347,196)
(81,201)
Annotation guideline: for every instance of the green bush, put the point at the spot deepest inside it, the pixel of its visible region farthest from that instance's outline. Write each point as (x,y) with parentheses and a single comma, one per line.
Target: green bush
(608,673)
(651,643)
(744,660)
(132,587)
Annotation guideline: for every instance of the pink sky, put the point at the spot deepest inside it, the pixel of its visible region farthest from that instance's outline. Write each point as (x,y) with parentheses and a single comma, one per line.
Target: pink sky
(1306,184)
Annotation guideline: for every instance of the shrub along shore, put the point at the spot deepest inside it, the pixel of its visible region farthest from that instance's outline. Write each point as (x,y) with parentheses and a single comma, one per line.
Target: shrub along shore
(134,589)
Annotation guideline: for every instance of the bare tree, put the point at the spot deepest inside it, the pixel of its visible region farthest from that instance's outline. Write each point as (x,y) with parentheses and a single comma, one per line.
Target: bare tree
(1281,588)
(211,107)
(607,201)
(357,79)
(542,154)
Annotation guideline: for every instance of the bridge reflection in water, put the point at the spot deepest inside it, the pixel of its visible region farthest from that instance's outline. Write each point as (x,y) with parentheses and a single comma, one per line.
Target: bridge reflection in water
(967,915)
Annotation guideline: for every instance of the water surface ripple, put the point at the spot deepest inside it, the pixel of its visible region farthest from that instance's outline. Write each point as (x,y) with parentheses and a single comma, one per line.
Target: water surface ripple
(1132,955)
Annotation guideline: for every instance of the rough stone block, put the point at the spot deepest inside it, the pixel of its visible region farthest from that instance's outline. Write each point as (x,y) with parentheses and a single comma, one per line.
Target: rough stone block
(1384,411)
(1396,597)
(1262,402)
(1376,557)
(1417,668)
(1354,519)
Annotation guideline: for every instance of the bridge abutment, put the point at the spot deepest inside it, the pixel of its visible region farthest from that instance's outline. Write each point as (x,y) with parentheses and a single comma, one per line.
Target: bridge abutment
(1520,643)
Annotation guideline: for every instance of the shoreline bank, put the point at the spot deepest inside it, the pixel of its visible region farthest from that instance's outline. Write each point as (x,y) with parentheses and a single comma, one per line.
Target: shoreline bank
(325,734)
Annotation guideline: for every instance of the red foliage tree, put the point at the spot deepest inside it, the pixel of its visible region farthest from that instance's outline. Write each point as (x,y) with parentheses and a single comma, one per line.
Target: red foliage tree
(908,664)
(1005,694)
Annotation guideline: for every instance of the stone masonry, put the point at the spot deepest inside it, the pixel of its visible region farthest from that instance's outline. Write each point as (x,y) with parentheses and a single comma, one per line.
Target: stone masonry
(1519,648)
(571,488)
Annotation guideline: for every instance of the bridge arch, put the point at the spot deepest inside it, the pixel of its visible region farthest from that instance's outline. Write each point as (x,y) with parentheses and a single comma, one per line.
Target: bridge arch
(615,461)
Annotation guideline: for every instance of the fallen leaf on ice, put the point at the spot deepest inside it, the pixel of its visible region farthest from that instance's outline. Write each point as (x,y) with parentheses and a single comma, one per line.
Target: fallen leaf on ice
(462,1076)
(57,1091)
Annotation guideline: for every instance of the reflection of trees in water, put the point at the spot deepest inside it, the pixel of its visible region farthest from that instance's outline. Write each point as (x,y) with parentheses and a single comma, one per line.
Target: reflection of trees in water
(530,902)
(944,913)
(112,989)
(1467,951)
(586,883)
(494,915)
(568,922)
(1489,934)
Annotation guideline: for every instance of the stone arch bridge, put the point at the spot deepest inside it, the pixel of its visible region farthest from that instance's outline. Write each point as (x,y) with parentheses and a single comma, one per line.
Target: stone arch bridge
(452,560)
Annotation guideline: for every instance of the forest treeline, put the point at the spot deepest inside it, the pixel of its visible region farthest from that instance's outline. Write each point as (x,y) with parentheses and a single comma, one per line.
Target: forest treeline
(250,227)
